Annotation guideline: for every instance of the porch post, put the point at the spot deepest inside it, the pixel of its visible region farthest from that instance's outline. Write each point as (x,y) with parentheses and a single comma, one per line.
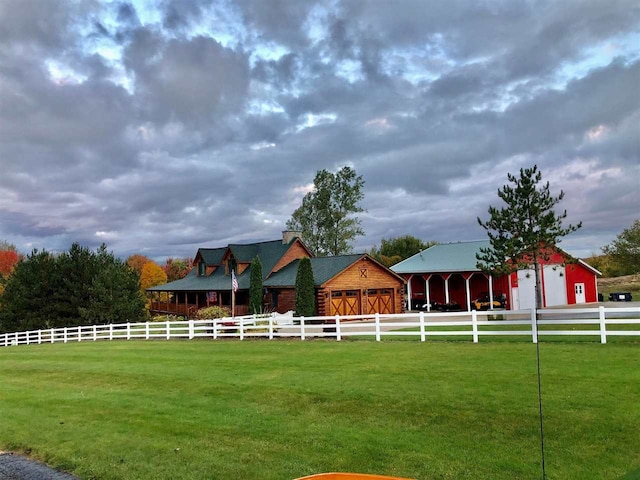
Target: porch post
(409,293)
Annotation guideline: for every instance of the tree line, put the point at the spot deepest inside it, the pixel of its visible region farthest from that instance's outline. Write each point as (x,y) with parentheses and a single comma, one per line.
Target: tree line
(78,287)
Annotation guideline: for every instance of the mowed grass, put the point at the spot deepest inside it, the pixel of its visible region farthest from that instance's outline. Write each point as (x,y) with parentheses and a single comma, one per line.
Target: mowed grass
(284,409)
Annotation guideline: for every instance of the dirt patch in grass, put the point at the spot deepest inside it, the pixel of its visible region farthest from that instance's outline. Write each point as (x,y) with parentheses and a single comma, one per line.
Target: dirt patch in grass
(626,283)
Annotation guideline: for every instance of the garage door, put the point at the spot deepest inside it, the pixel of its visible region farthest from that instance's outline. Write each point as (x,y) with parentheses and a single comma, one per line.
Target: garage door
(380,301)
(345,302)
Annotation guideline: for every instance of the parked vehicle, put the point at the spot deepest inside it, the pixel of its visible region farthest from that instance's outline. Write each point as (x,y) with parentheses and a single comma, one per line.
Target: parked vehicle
(620,297)
(483,302)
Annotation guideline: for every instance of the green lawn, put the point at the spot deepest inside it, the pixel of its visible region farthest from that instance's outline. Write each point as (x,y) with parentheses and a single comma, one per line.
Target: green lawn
(282,409)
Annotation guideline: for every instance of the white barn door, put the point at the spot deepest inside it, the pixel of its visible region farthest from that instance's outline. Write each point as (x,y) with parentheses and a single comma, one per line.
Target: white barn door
(555,286)
(527,288)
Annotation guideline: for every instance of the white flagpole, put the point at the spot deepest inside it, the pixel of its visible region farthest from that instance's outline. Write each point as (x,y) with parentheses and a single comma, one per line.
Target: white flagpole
(233,294)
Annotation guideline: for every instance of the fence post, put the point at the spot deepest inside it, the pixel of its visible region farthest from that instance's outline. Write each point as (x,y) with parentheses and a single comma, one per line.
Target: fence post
(242,329)
(271,328)
(27,336)
(377,327)
(168,327)
(39,337)
(215,329)
(603,325)
(111,331)
(64,334)
(146,330)
(474,325)
(534,326)
(191,329)
(128,331)
(422,332)
(338,332)
(52,336)
(302,336)
(79,333)
(95,333)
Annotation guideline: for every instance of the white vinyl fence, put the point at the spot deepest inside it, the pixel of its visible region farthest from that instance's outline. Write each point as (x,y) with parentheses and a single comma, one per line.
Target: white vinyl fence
(600,322)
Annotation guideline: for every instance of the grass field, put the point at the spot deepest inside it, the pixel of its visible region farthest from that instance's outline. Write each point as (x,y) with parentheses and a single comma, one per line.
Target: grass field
(283,409)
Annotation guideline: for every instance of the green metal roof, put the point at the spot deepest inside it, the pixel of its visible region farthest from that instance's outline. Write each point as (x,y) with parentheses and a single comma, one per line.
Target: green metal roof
(269,252)
(445,257)
(324,268)
(212,256)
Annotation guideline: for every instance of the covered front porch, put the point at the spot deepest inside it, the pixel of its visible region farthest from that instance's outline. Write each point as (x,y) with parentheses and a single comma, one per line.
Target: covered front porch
(187,303)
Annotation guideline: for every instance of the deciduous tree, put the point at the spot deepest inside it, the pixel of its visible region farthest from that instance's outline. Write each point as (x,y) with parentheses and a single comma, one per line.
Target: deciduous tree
(526,230)
(624,251)
(396,249)
(327,214)
(152,275)
(177,268)
(137,261)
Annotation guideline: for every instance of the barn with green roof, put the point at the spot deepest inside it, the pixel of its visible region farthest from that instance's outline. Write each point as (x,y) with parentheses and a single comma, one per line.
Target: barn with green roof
(447,276)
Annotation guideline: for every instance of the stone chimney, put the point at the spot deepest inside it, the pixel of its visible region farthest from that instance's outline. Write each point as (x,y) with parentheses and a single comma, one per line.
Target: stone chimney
(289,235)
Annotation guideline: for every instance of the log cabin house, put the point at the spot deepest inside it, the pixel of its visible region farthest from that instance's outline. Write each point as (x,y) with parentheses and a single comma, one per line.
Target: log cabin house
(345,285)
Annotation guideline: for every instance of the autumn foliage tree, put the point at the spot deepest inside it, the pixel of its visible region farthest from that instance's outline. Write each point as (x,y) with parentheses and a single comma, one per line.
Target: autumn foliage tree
(138,261)
(152,275)
(177,268)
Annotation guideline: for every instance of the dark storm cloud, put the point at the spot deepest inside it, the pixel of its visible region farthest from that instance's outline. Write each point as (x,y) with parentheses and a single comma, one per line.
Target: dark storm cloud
(159,136)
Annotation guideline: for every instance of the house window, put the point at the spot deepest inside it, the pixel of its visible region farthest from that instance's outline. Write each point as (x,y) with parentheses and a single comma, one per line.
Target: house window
(202,269)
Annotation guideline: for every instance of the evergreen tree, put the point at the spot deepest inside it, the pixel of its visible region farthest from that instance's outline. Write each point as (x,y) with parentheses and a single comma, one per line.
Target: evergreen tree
(305,289)
(255,286)
(114,293)
(27,300)
(79,287)
(526,230)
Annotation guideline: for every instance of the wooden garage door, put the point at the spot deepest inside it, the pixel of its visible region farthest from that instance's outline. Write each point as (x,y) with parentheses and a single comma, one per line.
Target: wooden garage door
(380,301)
(345,302)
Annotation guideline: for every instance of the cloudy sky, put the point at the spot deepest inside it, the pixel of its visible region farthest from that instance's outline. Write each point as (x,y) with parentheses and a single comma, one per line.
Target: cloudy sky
(159,127)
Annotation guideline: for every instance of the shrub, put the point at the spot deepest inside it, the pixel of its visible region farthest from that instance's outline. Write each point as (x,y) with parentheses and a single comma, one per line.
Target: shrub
(213,312)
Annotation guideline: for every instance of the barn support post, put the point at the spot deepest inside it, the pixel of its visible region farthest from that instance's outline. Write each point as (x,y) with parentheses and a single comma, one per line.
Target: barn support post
(468,291)
(446,288)
(427,292)
(490,292)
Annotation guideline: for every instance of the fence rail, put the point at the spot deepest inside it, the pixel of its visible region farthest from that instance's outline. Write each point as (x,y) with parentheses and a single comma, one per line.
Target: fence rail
(601,321)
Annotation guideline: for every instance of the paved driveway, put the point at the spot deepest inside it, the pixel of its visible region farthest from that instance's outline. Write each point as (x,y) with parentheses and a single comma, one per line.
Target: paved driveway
(17,467)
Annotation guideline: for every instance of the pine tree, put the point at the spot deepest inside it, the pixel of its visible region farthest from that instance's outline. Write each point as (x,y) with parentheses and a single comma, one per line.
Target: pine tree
(305,289)
(526,230)
(255,286)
